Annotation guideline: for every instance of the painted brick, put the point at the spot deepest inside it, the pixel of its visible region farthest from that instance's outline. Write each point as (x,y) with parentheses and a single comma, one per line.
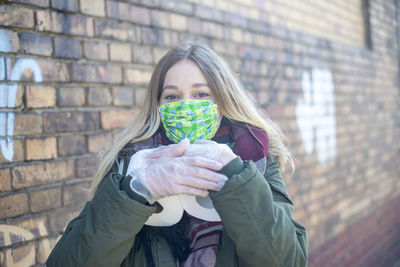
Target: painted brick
(105,73)
(178,22)
(86,167)
(142,54)
(43,173)
(40,96)
(69,145)
(67,47)
(95,50)
(26,124)
(16,16)
(96,142)
(17,154)
(122,96)
(20,254)
(33,43)
(70,121)
(10,41)
(117,31)
(41,148)
(120,52)
(45,199)
(36,224)
(70,5)
(137,76)
(75,192)
(5,180)
(38,70)
(13,205)
(93,7)
(44,249)
(117,118)
(71,96)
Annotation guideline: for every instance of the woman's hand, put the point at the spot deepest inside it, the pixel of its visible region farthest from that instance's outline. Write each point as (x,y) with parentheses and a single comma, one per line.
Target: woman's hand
(167,171)
(211,150)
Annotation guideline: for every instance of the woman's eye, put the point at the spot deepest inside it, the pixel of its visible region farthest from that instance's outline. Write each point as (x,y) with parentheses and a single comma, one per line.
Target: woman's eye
(202,95)
(170,97)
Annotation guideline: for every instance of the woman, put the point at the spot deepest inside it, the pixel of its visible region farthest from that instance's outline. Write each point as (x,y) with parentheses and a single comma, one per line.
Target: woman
(167,152)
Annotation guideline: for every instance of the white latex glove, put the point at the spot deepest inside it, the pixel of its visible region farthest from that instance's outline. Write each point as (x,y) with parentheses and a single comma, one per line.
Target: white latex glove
(211,150)
(166,171)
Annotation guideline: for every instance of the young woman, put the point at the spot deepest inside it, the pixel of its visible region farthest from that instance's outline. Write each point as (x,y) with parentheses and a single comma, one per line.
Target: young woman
(199,138)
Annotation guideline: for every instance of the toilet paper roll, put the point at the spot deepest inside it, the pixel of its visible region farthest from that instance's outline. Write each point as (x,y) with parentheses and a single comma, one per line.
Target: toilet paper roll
(171,214)
(200,207)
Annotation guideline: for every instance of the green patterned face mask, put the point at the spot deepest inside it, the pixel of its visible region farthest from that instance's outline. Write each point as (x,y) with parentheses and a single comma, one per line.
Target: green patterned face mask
(189,118)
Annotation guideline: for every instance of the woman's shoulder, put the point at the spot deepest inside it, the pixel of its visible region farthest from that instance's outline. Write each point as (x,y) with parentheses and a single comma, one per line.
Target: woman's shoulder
(132,147)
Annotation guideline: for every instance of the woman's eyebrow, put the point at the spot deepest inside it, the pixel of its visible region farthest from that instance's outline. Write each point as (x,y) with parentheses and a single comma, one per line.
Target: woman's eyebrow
(199,84)
(169,87)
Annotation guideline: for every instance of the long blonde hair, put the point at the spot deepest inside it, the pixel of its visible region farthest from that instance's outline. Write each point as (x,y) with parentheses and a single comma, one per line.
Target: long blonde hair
(232,99)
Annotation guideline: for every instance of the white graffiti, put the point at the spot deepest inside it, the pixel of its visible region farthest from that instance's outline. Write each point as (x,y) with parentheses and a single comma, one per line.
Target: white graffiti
(315,114)
(8,94)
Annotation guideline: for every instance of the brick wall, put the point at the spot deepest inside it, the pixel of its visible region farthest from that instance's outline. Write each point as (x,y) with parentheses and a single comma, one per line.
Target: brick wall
(72,73)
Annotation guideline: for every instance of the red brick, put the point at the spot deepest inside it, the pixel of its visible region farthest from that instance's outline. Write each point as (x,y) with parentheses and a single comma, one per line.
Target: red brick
(27,124)
(40,96)
(118,10)
(140,15)
(159,18)
(43,173)
(16,16)
(142,54)
(122,96)
(38,44)
(45,199)
(41,148)
(70,5)
(137,76)
(5,180)
(93,7)
(75,193)
(140,96)
(71,121)
(117,31)
(67,47)
(99,97)
(117,118)
(104,73)
(13,205)
(58,22)
(120,52)
(61,217)
(95,50)
(10,41)
(71,96)
(40,3)
(86,167)
(71,145)
(96,142)
(18,152)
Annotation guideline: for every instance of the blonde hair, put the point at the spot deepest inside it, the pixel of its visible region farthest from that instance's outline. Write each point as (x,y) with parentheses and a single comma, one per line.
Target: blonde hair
(233,101)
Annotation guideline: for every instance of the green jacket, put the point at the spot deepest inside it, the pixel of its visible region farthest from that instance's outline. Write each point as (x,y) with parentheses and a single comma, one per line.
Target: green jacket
(259,228)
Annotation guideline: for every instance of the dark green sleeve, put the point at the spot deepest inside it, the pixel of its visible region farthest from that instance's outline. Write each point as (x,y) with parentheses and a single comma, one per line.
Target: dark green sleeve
(104,231)
(257,215)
